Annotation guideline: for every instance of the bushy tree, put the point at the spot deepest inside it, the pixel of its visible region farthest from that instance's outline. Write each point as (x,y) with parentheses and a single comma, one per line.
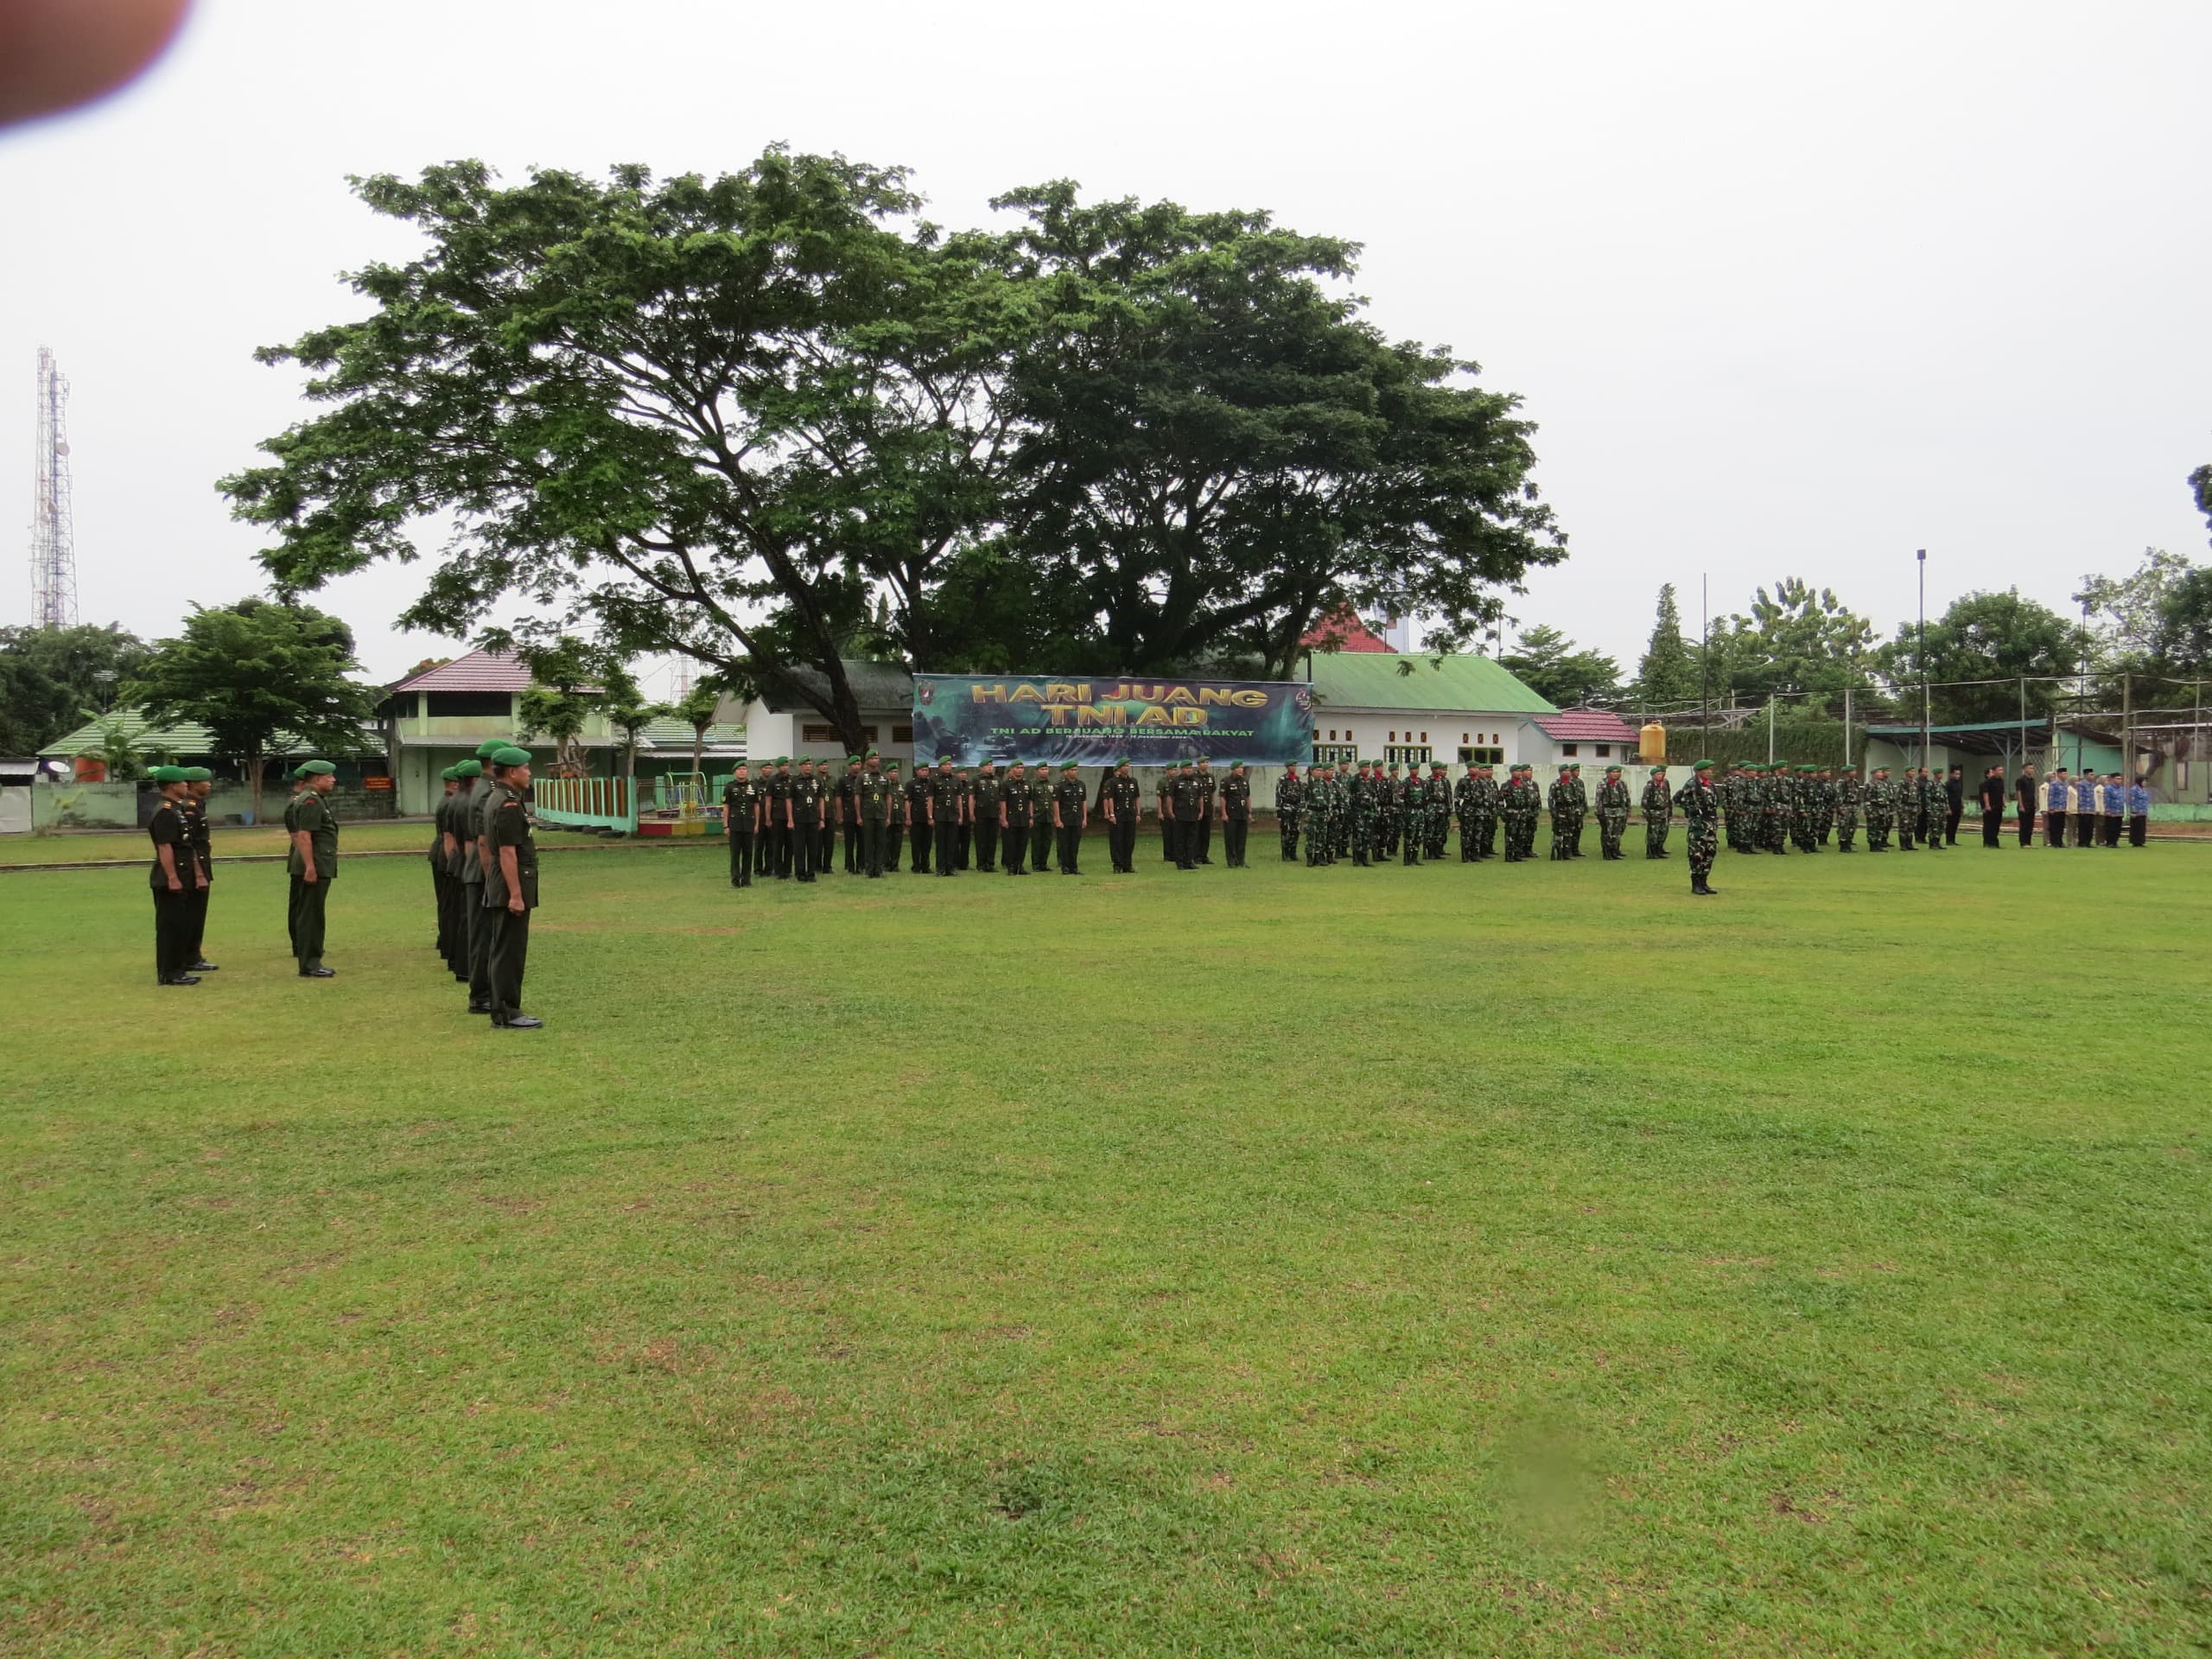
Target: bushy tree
(1548,664)
(1982,636)
(254,670)
(51,680)
(1668,673)
(2126,612)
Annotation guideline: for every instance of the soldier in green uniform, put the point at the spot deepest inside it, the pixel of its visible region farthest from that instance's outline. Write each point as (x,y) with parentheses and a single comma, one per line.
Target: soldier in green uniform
(511,886)
(1700,808)
(1290,797)
(894,824)
(871,792)
(1659,813)
(444,882)
(1485,812)
(849,814)
(964,843)
(1561,802)
(173,876)
(807,803)
(1040,817)
(312,864)
(1850,794)
(1208,785)
(944,815)
(1187,802)
(1881,806)
(1524,802)
(1236,815)
(1071,806)
(1612,814)
(1123,805)
(1015,809)
(1413,816)
(983,808)
(199,783)
(453,822)
(921,826)
(740,822)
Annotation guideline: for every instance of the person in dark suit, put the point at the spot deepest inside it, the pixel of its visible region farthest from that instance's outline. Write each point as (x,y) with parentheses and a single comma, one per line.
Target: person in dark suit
(2026,789)
(1955,804)
(1993,805)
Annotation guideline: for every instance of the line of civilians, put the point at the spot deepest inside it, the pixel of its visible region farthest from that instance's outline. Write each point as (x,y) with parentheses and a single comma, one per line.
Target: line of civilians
(2099,808)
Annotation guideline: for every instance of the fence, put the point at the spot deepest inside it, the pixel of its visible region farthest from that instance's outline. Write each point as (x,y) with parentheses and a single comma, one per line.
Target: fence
(585,804)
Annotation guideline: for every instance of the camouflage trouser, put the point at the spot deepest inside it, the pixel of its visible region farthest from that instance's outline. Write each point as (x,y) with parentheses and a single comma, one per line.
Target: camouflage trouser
(1877,832)
(1286,822)
(1774,832)
(1655,836)
(1611,826)
(1703,845)
(1365,830)
(1846,828)
(1317,841)
(1471,837)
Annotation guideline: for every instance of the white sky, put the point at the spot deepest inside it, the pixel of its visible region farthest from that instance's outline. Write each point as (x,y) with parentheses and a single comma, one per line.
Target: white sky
(1789,291)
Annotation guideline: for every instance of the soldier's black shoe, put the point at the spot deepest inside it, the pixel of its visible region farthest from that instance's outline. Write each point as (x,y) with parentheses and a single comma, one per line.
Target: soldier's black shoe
(318,972)
(199,968)
(475,1007)
(180,979)
(520,1022)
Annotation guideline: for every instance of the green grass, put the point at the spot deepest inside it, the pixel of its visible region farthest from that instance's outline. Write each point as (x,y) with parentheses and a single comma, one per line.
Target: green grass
(235,841)
(1267,1262)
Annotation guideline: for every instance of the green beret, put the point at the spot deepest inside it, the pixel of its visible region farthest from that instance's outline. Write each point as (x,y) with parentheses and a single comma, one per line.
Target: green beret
(490,746)
(167,774)
(853,760)
(872,755)
(1662,767)
(1613,768)
(944,759)
(891,766)
(450,775)
(511,756)
(305,769)
(1069,765)
(1124,762)
(198,775)
(468,769)
(1236,766)
(1700,765)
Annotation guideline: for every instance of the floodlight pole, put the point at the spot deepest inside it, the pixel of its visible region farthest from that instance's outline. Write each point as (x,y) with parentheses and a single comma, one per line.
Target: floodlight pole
(1920,558)
(1769,728)
(1847,729)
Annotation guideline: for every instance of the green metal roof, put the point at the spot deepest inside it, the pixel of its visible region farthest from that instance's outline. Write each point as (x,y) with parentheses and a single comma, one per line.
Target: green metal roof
(184,737)
(676,734)
(1368,679)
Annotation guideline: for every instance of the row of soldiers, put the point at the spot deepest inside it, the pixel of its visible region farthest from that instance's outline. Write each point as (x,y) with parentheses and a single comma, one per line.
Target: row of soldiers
(484,871)
(1368,812)
(1770,808)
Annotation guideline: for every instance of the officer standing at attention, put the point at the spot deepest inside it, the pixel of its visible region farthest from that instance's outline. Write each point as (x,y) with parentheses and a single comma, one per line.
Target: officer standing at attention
(468,820)
(775,853)
(871,792)
(173,878)
(944,814)
(1163,803)
(199,783)
(1992,796)
(1071,806)
(2028,792)
(1186,800)
(441,881)
(1290,795)
(894,822)
(1206,813)
(1040,817)
(803,807)
(1612,814)
(919,828)
(1014,819)
(313,863)
(1124,806)
(1658,814)
(514,854)
(453,834)
(1701,811)
(1235,813)
(983,808)
(848,812)
(740,822)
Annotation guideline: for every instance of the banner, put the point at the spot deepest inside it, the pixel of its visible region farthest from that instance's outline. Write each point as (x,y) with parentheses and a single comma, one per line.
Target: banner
(1001,717)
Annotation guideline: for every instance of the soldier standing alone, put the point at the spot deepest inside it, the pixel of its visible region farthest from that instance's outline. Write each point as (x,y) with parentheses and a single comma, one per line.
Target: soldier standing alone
(312,863)
(1700,810)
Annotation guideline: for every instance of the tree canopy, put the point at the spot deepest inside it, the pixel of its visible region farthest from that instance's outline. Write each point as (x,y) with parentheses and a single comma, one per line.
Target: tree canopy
(1983,636)
(1548,664)
(1669,671)
(251,670)
(51,680)
(770,420)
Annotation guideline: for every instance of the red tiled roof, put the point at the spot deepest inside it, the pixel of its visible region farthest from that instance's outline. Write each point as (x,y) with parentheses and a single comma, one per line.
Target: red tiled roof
(1342,631)
(479,670)
(1585,726)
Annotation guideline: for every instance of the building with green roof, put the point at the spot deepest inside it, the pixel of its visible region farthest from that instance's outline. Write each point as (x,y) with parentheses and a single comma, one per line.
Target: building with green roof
(1406,707)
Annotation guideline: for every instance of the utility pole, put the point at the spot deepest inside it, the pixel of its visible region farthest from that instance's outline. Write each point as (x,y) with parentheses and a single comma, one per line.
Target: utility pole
(1847,729)
(1769,728)
(1705,655)
(1921,556)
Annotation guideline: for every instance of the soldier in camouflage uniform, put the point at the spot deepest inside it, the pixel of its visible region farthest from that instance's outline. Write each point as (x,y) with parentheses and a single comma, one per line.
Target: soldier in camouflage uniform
(1560,800)
(1412,812)
(1659,813)
(1774,812)
(1290,795)
(1314,817)
(1463,808)
(1366,789)
(1881,810)
(1700,808)
(1804,807)
(1612,813)
(1485,813)
(1520,802)
(1849,795)
(1579,794)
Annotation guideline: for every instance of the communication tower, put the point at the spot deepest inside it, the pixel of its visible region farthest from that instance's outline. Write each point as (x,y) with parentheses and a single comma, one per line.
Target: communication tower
(54,551)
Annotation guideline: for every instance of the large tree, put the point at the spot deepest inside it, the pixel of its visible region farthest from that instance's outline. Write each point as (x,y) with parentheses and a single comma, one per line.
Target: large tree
(1796,638)
(53,679)
(253,670)
(2125,612)
(1215,450)
(1548,664)
(1668,673)
(1982,637)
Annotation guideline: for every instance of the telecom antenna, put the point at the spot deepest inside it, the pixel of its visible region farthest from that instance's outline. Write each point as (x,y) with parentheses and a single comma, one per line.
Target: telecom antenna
(53,542)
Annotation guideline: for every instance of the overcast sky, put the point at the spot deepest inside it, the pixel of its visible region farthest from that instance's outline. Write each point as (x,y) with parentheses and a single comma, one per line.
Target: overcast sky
(1788,292)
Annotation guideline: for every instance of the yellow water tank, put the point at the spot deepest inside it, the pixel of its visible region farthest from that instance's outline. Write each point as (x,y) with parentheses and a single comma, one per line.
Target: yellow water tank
(1651,744)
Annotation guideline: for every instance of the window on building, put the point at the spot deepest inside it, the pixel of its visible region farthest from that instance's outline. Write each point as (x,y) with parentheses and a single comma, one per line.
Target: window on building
(1463,737)
(465,705)
(1424,737)
(828,735)
(1570,749)
(1481,755)
(902,733)
(1604,751)
(1404,753)
(1335,754)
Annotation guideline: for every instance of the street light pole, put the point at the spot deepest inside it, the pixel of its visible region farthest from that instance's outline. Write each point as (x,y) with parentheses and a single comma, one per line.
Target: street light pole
(1921,556)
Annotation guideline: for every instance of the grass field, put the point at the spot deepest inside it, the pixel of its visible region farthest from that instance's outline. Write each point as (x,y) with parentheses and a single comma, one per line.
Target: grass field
(235,841)
(1268,1263)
